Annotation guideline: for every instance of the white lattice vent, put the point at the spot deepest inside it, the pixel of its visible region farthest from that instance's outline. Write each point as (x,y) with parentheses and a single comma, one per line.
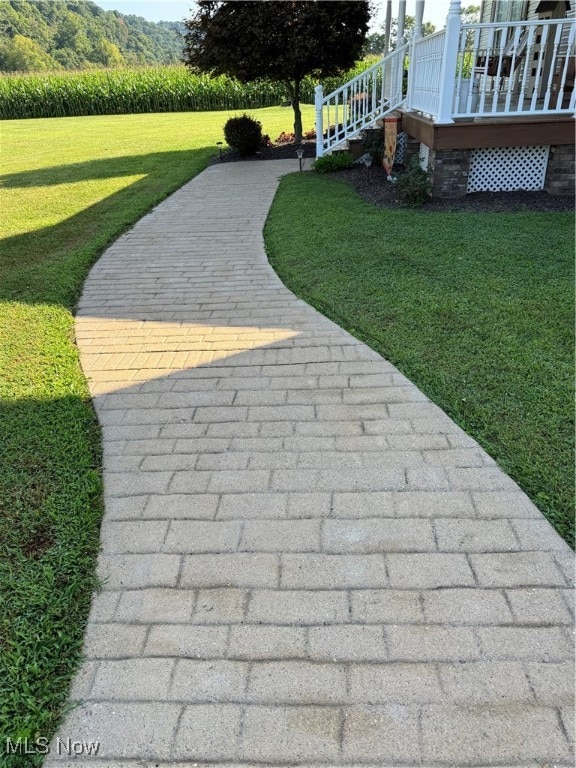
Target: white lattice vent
(424,156)
(401,143)
(505,169)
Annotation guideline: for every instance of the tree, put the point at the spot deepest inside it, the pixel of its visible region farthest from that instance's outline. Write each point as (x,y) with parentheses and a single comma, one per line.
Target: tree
(376,42)
(283,42)
(68,28)
(409,25)
(470,14)
(77,33)
(374,45)
(106,54)
(21,54)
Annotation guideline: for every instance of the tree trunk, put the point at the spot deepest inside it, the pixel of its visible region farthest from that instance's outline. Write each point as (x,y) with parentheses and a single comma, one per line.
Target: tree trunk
(297,121)
(294,90)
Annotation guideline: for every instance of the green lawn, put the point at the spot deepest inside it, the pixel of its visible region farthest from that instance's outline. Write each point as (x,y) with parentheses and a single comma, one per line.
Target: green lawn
(70,186)
(476,308)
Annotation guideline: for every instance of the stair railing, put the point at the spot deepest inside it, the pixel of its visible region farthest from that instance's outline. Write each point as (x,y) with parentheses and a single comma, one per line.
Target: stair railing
(359,103)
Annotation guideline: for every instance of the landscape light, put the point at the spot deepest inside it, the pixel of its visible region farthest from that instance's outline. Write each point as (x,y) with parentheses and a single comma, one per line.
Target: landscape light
(368,163)
(300,155)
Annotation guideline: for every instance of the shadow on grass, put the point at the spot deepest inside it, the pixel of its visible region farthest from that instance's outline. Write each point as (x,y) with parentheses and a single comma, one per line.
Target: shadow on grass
(50,512)
(50,443)
(102,168)
(50,264)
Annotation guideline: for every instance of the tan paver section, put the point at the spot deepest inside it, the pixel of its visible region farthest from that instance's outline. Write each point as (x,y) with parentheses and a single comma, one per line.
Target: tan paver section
(306,561)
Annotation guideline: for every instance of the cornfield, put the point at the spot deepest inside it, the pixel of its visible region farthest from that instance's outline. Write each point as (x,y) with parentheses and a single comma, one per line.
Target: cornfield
(129,91)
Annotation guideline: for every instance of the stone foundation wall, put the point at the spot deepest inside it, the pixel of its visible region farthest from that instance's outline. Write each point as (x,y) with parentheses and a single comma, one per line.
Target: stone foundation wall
(450,168)
(560,172)
(412,149)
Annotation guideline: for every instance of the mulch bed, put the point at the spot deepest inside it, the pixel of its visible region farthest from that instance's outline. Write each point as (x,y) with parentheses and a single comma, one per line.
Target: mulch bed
(372,185)
(278,152)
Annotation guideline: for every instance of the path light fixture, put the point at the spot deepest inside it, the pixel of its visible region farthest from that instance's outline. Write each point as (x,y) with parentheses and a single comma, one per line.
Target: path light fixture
(219,145)
(300,155)
(368,163)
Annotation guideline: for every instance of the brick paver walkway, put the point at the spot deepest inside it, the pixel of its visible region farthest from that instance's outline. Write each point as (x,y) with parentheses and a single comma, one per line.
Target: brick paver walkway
(306,561)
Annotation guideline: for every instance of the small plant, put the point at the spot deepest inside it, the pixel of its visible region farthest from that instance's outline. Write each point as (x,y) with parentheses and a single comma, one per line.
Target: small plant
(415,184)
(373,141)
(333,129)
(289,137)
(244,134)
(336,162)
(285,138)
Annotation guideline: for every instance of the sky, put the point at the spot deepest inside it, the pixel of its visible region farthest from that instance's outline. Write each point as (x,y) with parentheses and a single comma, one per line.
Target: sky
(174,10)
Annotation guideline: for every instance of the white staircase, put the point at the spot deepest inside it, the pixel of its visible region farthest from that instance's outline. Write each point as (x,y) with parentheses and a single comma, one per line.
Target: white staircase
(359,103)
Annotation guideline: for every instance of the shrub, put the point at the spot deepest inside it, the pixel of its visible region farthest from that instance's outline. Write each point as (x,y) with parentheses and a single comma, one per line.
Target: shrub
(335,162)
(285,138)
(415,184)
(244,134)
(333,129)
(373,141)
(288,137)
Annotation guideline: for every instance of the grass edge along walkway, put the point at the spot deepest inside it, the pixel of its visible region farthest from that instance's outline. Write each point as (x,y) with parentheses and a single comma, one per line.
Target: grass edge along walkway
(69,187)
(475,308)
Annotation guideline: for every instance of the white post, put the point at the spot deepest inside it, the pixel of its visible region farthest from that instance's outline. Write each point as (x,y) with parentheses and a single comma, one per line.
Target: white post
(318,102)
(412,56)
(418,19)
(387,27)
(401,22)
(449,63)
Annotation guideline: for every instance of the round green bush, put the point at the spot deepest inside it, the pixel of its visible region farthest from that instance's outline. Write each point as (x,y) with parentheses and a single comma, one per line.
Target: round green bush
(336,162)
(243,134)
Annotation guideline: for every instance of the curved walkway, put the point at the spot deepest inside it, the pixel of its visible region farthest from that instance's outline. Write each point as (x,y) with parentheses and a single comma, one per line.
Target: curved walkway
(306,561)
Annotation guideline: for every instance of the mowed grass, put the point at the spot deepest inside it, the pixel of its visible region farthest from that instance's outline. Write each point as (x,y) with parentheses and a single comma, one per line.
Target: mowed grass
(475,308)
(69,187)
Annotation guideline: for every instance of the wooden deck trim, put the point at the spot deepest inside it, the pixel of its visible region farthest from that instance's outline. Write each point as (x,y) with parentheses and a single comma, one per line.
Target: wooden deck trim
(490,132)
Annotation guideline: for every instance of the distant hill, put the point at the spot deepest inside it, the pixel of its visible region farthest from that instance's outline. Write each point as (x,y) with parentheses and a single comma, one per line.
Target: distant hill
(62,34)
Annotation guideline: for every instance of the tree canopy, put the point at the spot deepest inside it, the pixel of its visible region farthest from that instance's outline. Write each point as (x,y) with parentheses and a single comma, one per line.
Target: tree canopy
(376,42)
(74,35)
(283,41)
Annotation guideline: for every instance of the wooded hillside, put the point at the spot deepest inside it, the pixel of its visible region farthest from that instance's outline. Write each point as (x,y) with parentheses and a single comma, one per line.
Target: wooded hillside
(55,34)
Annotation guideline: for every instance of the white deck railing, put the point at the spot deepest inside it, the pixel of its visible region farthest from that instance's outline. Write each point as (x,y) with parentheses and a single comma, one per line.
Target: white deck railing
(512,69)
(359,103)
(424,73)
(515,68)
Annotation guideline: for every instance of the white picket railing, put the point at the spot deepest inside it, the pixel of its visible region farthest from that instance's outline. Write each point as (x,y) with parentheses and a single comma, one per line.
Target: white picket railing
(424,73)
(515,68)
(359,103)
